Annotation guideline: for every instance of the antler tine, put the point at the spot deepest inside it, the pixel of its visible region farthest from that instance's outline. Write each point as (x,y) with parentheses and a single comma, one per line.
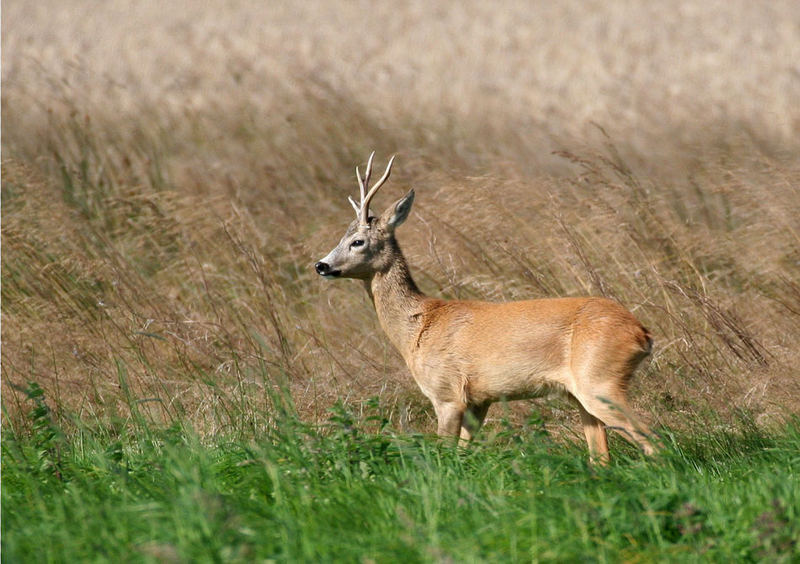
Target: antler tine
(368,172)
(364,217)
(362,184)
(355,206)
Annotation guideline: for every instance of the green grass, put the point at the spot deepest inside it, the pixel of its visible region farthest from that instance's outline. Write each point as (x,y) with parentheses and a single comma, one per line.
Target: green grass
(340,493)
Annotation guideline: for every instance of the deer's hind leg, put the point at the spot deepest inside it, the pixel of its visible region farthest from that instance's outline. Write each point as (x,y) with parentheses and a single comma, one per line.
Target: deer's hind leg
(596,437)
(601,385)
(611,408)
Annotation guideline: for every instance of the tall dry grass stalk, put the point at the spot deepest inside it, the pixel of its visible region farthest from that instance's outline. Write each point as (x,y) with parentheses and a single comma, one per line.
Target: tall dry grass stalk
(171,173)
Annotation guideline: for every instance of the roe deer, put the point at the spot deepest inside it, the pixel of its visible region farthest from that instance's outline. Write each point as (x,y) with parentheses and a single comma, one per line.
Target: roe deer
(464,355)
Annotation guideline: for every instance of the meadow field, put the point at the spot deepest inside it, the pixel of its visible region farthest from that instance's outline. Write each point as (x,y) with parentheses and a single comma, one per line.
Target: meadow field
(179,385)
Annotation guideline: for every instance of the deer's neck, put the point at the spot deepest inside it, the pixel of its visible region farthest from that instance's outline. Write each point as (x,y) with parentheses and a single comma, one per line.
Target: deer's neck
(397,302)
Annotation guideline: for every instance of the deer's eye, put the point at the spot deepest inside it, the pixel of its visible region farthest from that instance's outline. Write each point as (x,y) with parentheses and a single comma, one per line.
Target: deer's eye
(357,243)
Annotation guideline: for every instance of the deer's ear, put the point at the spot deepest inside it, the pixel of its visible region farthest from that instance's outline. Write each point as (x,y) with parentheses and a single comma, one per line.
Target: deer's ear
(397,212)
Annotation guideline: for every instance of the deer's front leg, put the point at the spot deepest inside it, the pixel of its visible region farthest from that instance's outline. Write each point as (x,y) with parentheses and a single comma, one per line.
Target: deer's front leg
(472,421)
(450,416)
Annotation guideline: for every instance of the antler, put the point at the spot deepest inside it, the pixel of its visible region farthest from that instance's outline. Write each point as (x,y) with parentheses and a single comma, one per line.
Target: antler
(362,210)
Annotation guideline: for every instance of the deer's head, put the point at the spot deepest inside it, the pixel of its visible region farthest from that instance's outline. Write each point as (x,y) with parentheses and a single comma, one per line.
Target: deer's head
(368,245)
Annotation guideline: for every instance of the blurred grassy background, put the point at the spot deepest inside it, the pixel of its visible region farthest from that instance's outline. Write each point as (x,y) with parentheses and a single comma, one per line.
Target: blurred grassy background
(171,172)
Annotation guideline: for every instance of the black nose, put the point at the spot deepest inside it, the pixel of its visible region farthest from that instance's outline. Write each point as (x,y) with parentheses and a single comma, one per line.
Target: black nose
(322,268)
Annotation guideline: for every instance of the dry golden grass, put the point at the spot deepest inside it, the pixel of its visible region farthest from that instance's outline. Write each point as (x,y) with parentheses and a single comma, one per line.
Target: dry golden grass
(170,174)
